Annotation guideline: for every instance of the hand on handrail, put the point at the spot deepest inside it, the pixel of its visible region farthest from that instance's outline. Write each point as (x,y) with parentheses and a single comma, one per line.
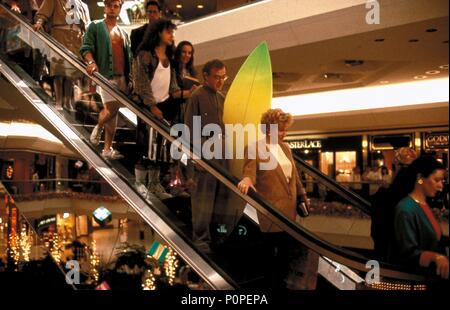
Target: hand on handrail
(245,184)
(38,25)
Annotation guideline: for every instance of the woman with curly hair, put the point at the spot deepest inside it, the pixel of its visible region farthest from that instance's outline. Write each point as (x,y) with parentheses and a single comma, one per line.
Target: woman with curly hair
(282,188)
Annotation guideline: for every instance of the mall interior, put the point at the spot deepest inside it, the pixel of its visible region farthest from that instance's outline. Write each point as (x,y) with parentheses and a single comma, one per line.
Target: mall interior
(365,83)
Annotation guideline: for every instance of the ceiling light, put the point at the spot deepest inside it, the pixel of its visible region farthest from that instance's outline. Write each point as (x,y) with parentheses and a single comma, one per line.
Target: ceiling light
(179,6)
(365,98)
(420,77)
(413,41)
(331,76)
(433,72)
(379,40)
(431,30)
(27,130)
(200,6)
(443,67)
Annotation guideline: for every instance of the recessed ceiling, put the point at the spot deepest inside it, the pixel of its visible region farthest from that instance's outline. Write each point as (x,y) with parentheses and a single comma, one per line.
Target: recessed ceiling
(395,60)
(190,10)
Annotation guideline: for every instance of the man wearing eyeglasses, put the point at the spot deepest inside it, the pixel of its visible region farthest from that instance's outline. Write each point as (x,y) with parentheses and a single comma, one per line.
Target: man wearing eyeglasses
(207,195)
(153,11)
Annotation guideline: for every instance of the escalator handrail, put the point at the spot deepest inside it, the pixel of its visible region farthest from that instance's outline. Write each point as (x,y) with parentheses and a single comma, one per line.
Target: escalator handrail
(343,256)
(351,196)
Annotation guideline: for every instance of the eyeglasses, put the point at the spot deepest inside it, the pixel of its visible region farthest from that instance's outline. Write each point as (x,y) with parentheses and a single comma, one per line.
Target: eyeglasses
(220,78)
(152,12)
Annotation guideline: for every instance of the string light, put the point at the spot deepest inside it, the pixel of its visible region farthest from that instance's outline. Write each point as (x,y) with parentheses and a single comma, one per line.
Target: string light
(171,265)
(387,286)
(25,244)
(55,248)
(14,248)
(149,281)
(94,261)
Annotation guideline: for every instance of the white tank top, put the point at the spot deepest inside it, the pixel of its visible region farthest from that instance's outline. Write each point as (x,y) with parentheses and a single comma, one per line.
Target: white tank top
(161,83)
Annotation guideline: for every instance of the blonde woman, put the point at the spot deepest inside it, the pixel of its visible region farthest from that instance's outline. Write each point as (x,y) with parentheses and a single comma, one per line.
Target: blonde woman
(282,188)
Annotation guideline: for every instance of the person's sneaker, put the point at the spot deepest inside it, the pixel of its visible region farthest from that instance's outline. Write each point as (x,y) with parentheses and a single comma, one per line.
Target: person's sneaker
(111,154)
(96,135)
(159,191)
(141,188)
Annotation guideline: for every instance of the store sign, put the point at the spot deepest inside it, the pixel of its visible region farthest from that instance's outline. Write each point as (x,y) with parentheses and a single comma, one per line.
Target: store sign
(436,141)
(306,144)
(46,221)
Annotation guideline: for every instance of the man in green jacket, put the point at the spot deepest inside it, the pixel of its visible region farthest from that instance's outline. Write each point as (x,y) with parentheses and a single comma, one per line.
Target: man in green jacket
(106,49)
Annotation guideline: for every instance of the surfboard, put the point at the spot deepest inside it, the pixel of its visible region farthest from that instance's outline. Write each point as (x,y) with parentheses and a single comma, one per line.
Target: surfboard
(249,96)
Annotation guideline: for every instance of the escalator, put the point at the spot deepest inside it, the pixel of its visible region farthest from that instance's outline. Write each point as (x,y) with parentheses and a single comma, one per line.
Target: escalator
(237,262)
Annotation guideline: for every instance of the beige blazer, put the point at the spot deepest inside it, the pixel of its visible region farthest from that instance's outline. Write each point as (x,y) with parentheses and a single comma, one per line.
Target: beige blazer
(274,188)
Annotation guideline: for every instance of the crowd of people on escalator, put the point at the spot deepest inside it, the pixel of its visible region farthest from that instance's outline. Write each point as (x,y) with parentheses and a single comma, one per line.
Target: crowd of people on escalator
(160,77)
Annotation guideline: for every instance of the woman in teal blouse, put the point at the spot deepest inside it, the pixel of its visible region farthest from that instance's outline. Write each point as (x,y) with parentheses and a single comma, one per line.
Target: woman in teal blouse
(418,235)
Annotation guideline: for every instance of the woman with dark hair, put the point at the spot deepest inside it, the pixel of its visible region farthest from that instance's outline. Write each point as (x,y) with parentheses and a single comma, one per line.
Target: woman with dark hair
(184,59)
(418,235)
(155,77)
(183,63)
(156,85)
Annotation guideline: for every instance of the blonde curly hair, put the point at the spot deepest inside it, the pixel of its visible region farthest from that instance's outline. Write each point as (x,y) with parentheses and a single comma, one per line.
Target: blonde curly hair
(277,116)
(405,156)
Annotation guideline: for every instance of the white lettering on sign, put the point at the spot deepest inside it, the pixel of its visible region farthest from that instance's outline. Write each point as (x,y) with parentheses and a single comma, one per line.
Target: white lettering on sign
(306,144)
(436,141)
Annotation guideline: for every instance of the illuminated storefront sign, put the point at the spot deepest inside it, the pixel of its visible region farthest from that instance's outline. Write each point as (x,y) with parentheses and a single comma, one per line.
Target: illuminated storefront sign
(306,144)
(46,221)
(436,141)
